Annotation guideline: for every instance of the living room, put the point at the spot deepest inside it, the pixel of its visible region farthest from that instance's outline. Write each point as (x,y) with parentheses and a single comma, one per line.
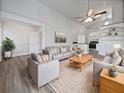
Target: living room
(60,46)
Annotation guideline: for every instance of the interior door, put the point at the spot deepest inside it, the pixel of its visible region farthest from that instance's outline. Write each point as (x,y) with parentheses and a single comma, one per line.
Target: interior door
(35,44)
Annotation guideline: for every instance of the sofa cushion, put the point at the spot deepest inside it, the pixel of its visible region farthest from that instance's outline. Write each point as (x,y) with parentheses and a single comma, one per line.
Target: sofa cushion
(109,54)
(108,59)
(36,57)
(58,50)
(54,50)
(63,49)
(57,56)
(66,54)
(69,48)
(117,60)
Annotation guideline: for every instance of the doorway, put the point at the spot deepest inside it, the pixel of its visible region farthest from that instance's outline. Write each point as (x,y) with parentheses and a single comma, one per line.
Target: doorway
(26,37)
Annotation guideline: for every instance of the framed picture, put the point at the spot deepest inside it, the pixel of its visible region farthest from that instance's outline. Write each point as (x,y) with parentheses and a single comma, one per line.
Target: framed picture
(60,37)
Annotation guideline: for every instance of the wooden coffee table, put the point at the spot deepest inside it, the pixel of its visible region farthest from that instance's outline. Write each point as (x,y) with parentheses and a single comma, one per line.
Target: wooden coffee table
(80,62)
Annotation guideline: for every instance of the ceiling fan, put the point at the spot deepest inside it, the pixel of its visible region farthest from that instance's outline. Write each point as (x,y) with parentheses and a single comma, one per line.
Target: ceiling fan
(91,16)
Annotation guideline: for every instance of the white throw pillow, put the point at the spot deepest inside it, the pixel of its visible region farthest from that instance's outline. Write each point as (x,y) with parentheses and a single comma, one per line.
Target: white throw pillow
(63,49)
(115,54)
(117,60)
(45,58)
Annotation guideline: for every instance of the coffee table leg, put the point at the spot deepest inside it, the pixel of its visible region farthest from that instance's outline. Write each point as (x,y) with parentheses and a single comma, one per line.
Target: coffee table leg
(70,63)
(81,67)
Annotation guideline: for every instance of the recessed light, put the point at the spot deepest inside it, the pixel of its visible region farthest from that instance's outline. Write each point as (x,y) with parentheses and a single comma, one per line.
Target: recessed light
(89,19)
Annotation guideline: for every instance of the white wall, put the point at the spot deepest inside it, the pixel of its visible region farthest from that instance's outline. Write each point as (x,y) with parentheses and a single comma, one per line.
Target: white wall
(92,35)
(20,34)
(54,22)
(117,11)
(123,10)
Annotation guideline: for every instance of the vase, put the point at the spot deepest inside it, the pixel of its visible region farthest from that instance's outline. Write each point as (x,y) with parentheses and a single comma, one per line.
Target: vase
(79,55)
(8,54)
(112,73)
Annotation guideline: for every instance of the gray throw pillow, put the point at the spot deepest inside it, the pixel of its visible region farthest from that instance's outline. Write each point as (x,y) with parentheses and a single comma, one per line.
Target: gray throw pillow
(122,61)
(45,58)
(121,52)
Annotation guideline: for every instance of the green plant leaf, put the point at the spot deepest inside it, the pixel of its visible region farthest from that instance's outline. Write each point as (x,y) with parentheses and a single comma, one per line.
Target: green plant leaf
(8,44)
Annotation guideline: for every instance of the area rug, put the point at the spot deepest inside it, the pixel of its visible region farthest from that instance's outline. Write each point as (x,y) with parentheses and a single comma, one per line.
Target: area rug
(71,80)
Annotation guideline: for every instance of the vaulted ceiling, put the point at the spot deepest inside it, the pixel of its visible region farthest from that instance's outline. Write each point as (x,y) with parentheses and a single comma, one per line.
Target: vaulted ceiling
(74,8)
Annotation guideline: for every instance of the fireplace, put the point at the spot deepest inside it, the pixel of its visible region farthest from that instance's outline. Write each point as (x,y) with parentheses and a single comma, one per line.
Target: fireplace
(93,44)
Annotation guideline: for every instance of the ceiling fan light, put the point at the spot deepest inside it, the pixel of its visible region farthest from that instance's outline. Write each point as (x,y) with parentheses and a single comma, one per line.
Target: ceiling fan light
(106,23)
(89,19)
(86,21)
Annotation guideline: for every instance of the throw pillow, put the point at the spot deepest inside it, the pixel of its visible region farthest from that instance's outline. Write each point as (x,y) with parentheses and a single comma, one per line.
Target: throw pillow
(55,50)
(122,62)
(52,50)
(58,50)
(45,58)
(108,59)
(69,48)
(121,52)
(117,60)
(36,57)
(63,49)
(115,54)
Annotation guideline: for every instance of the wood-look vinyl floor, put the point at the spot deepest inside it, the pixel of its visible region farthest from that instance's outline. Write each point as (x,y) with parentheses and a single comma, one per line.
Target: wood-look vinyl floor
(14,77)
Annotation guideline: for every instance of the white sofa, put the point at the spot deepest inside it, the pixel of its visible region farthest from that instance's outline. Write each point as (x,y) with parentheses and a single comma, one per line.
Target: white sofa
(42,74)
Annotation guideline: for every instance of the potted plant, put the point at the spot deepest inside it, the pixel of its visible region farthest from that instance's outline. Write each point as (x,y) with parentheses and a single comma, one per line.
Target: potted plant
(113,71)
(8,46)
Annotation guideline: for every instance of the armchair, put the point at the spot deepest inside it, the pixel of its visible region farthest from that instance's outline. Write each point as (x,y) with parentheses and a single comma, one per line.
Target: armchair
(42,74)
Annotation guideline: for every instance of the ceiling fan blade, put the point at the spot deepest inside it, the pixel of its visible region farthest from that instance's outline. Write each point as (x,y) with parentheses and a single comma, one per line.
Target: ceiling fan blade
(83,20)
(93,19)
(90,12)
(79,17)
(88,19)
(100,13)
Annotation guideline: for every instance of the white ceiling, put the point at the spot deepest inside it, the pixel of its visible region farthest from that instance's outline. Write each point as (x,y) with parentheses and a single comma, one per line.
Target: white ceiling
(74,8)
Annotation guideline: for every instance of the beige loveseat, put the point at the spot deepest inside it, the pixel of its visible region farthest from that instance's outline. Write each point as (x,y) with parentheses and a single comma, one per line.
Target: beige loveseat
(42,72)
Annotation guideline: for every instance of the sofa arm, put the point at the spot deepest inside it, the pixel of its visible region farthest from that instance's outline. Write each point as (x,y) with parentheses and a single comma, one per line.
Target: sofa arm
(47,72)
(32,69)
(98,66)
